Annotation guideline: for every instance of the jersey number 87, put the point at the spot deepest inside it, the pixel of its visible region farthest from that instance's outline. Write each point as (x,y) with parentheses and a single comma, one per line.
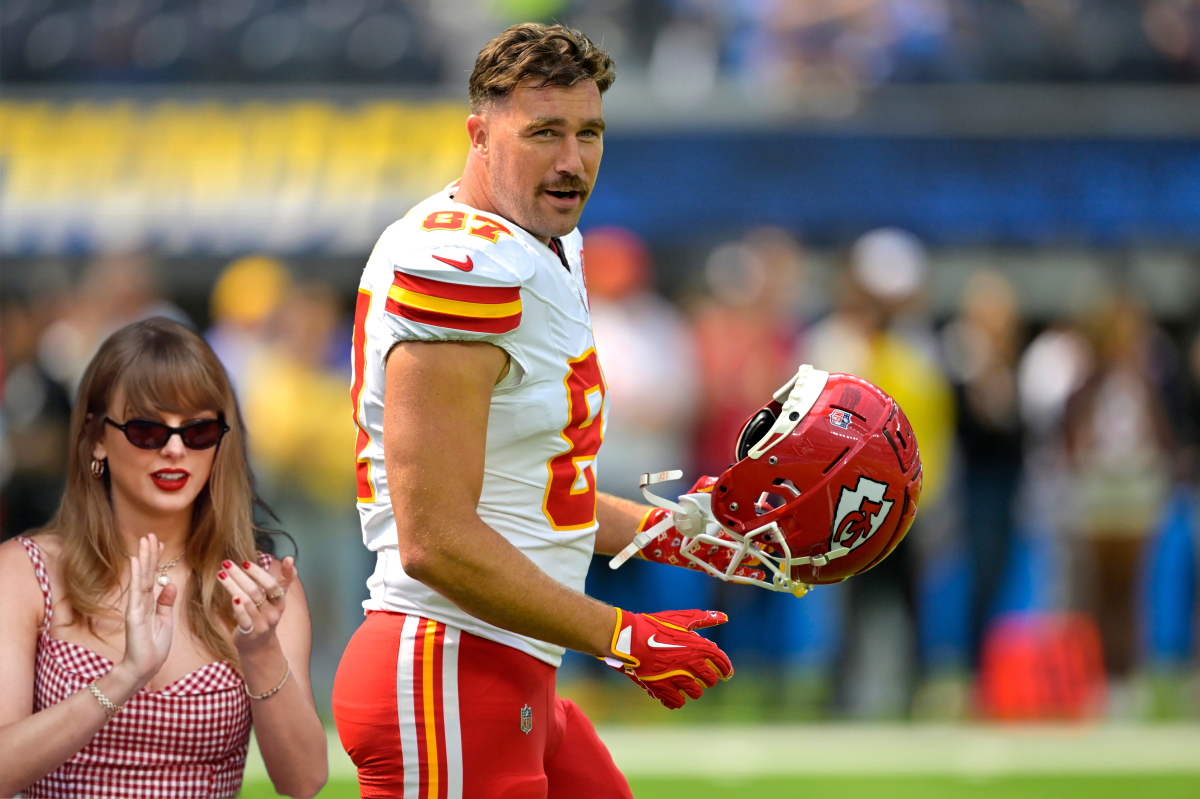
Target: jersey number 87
(570,501)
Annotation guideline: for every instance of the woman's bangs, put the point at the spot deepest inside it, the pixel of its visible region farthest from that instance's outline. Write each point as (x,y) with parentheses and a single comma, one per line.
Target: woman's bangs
(170,380)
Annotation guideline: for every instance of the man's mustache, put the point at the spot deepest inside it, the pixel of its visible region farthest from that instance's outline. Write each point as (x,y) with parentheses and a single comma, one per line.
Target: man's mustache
(570,183)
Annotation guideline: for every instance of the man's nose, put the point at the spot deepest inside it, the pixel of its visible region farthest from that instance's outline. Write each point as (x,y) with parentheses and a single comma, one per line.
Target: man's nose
(569,160)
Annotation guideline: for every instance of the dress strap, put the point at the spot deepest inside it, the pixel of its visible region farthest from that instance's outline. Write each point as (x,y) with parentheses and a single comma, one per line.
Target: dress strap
(43,578)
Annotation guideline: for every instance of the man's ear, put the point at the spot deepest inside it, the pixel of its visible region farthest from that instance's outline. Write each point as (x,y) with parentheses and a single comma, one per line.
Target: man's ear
(477,132)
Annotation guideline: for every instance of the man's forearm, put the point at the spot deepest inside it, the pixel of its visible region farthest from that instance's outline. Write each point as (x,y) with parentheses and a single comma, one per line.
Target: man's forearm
(619,520)
(494,582)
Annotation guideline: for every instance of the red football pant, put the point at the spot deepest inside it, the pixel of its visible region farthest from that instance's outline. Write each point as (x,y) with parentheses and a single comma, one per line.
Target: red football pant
(428,711)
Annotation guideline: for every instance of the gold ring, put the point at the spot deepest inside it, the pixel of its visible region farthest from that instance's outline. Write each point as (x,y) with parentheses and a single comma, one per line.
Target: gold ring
(278,595)
(258,603)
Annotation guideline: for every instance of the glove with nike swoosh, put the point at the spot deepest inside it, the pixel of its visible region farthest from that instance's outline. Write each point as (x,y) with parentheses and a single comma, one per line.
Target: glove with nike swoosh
(660,652)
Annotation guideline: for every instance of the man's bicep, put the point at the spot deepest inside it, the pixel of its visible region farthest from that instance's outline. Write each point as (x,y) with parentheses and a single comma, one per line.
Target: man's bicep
(436,404)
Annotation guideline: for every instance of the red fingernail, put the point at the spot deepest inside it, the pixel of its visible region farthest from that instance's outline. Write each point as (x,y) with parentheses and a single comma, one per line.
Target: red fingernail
(221,575)
(237,601)
(228,564)
(246,565)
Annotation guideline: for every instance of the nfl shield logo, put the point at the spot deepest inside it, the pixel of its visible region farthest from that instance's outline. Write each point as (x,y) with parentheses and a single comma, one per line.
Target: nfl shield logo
(526,719)
(839,419)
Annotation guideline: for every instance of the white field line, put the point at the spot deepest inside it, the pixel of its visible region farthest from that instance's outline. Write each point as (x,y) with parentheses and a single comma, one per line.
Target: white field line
(836,749)
(858,749)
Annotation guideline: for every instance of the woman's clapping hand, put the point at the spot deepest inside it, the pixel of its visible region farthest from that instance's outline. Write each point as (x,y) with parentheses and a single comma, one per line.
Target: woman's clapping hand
(149,618)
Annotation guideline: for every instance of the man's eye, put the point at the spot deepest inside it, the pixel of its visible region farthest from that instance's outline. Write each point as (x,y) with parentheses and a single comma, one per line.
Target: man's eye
(544,133)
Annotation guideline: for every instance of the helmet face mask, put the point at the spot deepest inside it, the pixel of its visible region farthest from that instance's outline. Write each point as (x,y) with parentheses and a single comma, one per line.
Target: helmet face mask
(825,495)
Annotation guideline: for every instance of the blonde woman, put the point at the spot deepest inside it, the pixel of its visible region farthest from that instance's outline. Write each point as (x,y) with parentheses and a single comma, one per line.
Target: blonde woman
(143,631)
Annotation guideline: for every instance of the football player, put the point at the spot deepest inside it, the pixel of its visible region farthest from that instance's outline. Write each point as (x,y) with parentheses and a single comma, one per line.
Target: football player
(480,407)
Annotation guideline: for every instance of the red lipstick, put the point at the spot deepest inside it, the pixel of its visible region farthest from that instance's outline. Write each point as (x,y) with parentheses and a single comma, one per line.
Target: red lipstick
(170,479)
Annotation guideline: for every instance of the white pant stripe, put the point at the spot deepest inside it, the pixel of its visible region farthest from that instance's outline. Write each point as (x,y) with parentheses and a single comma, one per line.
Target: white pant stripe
(405,697)
(454,775)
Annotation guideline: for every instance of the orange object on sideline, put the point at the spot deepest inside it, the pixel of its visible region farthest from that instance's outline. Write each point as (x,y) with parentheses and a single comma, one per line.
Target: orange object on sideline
(1042,667)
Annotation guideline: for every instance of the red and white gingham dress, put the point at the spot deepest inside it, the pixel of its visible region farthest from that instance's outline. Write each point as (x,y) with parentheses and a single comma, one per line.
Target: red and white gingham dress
(188,739)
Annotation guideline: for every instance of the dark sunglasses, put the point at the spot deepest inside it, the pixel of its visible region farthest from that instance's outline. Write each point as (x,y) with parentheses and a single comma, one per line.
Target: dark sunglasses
(145,434)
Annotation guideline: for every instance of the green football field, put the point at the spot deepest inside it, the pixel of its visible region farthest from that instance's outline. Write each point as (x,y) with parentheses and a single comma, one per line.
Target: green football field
(877,761)
(1061,787)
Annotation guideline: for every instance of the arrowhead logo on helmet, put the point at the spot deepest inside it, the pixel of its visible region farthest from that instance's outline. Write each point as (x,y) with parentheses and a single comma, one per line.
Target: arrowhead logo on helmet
(860,513)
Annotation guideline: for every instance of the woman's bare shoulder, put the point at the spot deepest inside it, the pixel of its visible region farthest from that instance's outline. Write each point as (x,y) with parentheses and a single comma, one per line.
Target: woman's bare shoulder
(19,587)
(49,542)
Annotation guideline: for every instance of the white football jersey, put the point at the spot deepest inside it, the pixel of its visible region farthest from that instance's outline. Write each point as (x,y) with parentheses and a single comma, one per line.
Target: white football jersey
(446,272)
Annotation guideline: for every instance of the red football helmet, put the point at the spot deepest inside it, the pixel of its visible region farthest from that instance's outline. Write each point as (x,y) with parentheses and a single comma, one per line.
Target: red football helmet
(826,484)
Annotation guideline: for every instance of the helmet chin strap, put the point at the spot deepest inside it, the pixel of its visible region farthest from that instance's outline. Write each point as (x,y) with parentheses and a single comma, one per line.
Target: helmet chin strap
(660,477)
(687,515)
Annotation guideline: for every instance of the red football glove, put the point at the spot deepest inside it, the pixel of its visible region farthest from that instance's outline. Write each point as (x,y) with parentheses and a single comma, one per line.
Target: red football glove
(660,653)
(665,548)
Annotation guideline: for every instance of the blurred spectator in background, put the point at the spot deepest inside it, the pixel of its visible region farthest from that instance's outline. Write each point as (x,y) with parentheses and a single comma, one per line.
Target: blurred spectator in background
(1051,369)
(1190,457)
(295,399)
(747,336)
(982,346)
(48,341)
(1118,444)
(649,363)
(113,291)
(243,302)
(35,409)
(882,332)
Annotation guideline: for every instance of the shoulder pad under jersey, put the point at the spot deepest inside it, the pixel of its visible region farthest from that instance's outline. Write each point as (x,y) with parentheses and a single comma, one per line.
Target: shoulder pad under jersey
(450,277)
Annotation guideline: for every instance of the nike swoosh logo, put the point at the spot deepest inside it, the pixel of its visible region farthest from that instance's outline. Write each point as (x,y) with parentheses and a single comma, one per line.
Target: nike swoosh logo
(466,265)
(656,645)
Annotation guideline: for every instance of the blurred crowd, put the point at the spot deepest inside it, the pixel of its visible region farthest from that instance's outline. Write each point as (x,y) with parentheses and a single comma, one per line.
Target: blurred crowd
(683,46)
(1058,527)
(286,345)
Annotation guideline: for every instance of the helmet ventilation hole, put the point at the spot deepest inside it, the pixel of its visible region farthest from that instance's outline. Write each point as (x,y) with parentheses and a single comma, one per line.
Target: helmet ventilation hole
(834,462)
(789,485)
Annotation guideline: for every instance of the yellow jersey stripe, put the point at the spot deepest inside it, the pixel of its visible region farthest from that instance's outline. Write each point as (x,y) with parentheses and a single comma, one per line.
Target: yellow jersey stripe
(454,307)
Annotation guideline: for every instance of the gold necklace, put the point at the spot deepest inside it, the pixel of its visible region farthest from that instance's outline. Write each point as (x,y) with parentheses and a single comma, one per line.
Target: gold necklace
(163,578)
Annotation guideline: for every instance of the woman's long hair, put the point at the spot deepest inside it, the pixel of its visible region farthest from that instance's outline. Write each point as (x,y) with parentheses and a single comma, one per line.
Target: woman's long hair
(160,367)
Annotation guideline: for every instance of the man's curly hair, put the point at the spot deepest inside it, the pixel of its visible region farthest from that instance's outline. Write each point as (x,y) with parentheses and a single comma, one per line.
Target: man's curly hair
(556,54)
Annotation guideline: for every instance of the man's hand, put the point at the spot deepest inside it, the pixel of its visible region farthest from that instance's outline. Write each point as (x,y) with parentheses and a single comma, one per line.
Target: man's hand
(660,652)
(666,545)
